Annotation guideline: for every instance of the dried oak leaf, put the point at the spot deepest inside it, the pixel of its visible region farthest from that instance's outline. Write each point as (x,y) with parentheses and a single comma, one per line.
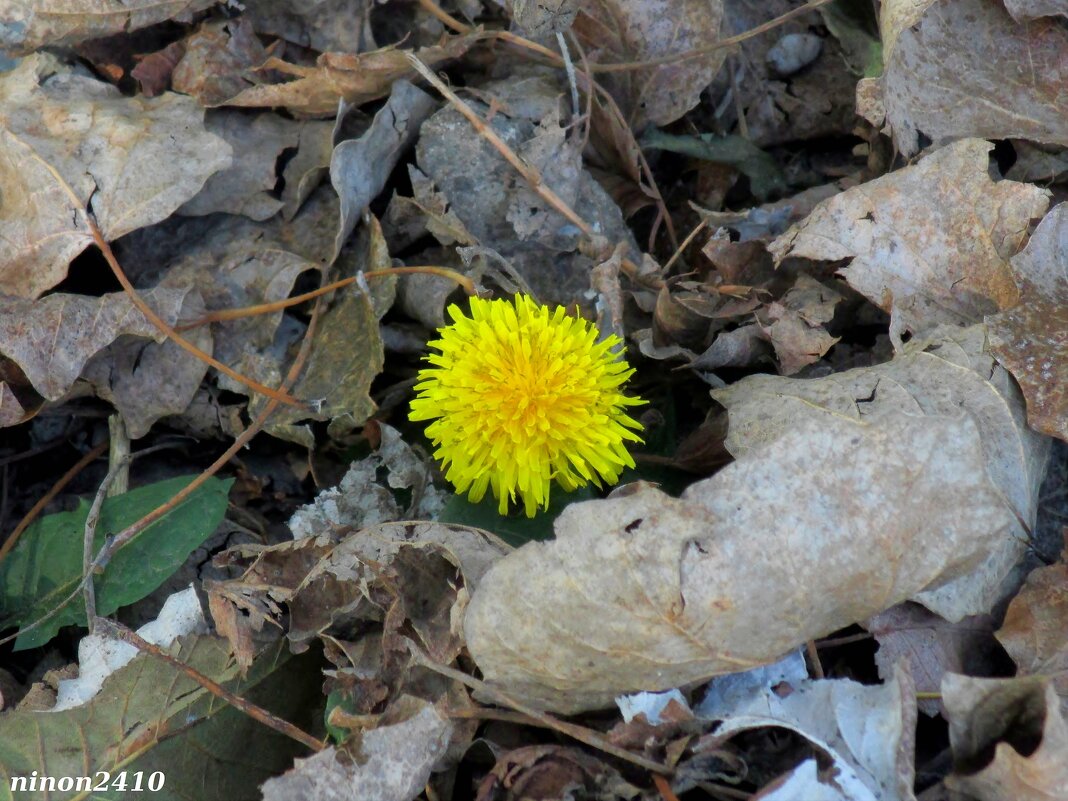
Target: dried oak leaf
(138,159)
(354,78)
(29,26)
(947,375)
(967,68)
(1031,338)
(1009,739)
(1035,629)
(619,31)
(930,243)
(832,523)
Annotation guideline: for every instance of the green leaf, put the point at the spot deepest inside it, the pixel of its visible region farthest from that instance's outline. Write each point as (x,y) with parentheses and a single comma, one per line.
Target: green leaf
(46,565)
(765,177)
(515,528)
(148,717)
(856,27)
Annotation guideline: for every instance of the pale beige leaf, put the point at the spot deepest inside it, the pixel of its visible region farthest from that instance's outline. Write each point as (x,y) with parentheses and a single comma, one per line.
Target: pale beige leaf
(959,68)
(1009,739)
(930,243)
(833,522)
(945,376)
(27,25)
(138,159)
(1031,339)
(620,31)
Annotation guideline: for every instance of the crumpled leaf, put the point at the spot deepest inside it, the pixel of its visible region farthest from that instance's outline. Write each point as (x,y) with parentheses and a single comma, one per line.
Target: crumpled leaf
(359,168)
(930,243)
(119,151)
(29,26)
(149,716)
(1031,338)
(661,592)
(247,185)
(1035,629)
(391,762)
(359,500)
(618,31)
(1009,739)
(966,68)
(947,375)
(867,733)
(319,24)
(354,78)
(219,61)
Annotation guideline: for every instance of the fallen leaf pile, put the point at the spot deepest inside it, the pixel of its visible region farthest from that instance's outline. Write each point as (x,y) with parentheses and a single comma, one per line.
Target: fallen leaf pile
(833,240)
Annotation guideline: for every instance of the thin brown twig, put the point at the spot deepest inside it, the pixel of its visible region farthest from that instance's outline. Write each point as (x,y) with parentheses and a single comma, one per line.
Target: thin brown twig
(220,315)
(442,16)
(685,244)
(44,500)
(663,786)
(580,733)
(117,631)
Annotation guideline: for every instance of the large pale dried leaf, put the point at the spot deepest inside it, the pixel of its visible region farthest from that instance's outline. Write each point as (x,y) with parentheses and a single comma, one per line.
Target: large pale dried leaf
(867,733)
(356,79)
(1035,630)
(149,716)
(28,26)
(319,24)
(1029,9)
(945,376)
(617,31)
(391,762)
(1009,739)
(51,339)
(138,159)
(834,522)
(359,168)
(930,243)
(957,68)
(1031,339)
(247,185)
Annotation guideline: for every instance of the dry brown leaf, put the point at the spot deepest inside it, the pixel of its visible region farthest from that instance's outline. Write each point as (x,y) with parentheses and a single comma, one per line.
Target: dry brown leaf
(930,243)
(1035,629)
(620,31)
(52,338)
(219,61)
(356,79)
(29,26)
(947,375)
(966,68)
(834,522)
(1009,739)
(931,647)
(319,24)
(1031,339)
(138,159)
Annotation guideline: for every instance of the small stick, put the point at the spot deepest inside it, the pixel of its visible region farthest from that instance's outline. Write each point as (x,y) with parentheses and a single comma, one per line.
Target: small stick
(118,467)
(814,660)
(580,733)
(57,488)
(117,631)
(685,244)
(220,315)
(120,452)
(569,68)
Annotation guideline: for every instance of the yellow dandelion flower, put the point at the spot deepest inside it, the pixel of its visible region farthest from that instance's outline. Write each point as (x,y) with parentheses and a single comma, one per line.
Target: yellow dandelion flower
(520,396)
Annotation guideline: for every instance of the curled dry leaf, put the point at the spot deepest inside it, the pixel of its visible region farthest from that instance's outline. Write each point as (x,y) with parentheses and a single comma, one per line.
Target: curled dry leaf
(28,26)
(67,128)
(1009,739)
(356,79)
(1031,339)
(618,31)
(1035,630)
(967,68)
(835,521)
(944,376)
(930,243)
